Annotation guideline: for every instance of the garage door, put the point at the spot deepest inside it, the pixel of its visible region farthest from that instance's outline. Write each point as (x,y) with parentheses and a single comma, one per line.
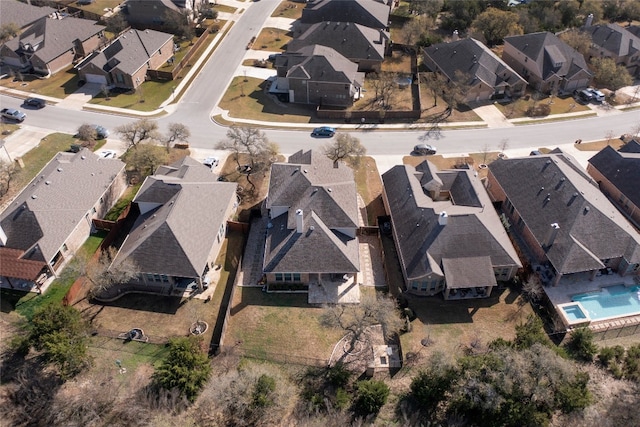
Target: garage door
(95,78)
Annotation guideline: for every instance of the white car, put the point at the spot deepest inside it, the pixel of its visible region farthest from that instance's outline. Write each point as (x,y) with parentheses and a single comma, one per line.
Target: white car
(108,154)
(211,162)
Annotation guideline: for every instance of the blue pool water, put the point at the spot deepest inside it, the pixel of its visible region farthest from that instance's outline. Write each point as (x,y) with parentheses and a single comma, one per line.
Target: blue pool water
(574,313)
(612,301)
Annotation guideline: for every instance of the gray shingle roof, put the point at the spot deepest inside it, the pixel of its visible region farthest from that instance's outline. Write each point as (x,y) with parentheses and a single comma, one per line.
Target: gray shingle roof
(352,41)
(473,228)
(468,272)
(614,38)
(547,50)
(328,198)
(130,51)
(176,238)
(548,189)
(369,13)
(471,57)
(21,14)
(321,64)
(53,37)
(622,169)
(47,211)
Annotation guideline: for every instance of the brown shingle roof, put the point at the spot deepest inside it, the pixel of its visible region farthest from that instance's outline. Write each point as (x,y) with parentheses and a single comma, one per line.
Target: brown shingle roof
(12,265)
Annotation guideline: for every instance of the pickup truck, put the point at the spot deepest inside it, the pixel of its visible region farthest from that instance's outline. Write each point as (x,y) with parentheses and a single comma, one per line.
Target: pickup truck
(13,114)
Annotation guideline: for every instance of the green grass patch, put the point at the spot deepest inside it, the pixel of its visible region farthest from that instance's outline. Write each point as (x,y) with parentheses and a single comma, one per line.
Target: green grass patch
(554,119)
(122,203)
(98,7)
(248,99)
(59,85)
(8,128)
(131,354)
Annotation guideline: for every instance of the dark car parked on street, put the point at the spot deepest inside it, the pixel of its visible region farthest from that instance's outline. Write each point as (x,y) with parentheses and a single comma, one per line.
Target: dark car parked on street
(35,102)
(324,131)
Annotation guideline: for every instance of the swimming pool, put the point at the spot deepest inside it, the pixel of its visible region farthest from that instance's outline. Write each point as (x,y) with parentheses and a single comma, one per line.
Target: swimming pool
(611,302)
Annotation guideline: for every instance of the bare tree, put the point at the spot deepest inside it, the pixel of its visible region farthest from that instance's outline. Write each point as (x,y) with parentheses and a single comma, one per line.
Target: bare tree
(635,130)
(177,132)
(609,136)
(384,85)
(345,147)
(86,133)
(532,288)
(485,153)
(413,29)
(356,318)
(104,274)
(145,158)
(503,145)
(136,132)
(253,142)
(8,31)
(8,171)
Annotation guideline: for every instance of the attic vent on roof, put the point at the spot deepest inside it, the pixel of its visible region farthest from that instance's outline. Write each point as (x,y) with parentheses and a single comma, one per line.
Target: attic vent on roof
(304,170)
(47,182)
(83,157)
(311,228)
(59,169)
(586,210)
(329,190)
(33,196)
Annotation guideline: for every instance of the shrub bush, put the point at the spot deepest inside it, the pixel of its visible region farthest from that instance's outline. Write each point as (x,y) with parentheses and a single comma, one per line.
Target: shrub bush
(371,396)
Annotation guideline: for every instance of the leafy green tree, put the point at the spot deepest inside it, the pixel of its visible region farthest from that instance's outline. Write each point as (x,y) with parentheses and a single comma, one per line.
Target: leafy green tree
(632,363)
(185,369)
(581,346)
(459,14)
(609,74)
(61,334)
(145,158)
(262,391)
(371,396)
(495,25)
(531,332)
(546,14)
(430,386)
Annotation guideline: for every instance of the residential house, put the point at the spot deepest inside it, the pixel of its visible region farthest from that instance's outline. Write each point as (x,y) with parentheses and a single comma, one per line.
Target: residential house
(124,63)
(363,45)
(52,217)
(313,220)
(618,175)
(144,14)
(318,75)
(369,13)
(615,42)
(567,225)
(447,234)
(22,14)
(183,218)
(50,45)
(547,63)
(482,71)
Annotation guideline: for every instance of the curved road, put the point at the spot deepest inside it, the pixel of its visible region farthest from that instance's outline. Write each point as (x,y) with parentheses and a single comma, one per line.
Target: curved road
(206,89)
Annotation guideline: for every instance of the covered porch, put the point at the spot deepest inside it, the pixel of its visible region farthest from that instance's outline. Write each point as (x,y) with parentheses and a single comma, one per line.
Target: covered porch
(468,278)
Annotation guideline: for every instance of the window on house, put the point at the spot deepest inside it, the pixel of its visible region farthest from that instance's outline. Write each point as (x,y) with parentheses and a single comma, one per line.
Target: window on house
(164,277)
(414,286)
(278,277)
(288,277)
(149,277)
(156,277)
(296,277)
(424,286)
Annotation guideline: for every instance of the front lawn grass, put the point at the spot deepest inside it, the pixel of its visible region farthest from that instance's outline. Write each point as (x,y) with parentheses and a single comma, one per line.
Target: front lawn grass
(272,39)
(59,85)
(616,143)
(559,105)
(277,326)
(98,7)
(246,98)
(224,8)
(288,9)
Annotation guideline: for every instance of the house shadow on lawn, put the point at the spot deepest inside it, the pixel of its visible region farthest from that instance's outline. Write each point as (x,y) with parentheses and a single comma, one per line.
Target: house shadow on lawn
(435,310)
(145,302)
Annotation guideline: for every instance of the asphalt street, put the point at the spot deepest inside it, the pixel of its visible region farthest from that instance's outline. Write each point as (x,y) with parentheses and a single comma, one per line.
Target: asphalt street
(198,102)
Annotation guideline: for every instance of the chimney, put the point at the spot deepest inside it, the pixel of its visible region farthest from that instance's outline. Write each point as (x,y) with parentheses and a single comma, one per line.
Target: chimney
(589,21)
(442,218)
(551,236)
(455,36)
(299,221)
